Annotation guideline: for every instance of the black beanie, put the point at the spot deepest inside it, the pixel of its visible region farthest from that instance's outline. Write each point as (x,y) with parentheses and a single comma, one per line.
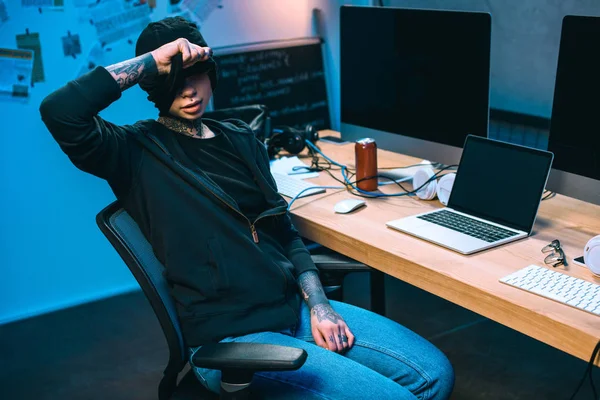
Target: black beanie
(162,89)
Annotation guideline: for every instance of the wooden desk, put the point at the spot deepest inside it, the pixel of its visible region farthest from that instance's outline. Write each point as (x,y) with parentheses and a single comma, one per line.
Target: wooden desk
(469,281)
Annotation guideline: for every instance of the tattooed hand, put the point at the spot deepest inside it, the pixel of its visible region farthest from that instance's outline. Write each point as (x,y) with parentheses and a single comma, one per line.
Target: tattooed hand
(328,329)
(130,72)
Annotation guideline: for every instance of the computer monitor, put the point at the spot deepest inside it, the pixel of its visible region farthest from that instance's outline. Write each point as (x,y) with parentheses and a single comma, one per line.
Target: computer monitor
(417,81)
(575,123)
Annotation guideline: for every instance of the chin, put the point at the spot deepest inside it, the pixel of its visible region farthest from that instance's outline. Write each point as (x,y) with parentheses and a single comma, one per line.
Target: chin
(191,117)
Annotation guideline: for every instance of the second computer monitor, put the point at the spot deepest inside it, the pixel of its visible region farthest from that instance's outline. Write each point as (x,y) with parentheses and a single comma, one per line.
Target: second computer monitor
(575,124)
(416,80)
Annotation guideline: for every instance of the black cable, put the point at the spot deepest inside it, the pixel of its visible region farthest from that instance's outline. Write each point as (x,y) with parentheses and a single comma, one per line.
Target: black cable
(315,167)
(588,373)
(314,152)
(548,195)
(407,192)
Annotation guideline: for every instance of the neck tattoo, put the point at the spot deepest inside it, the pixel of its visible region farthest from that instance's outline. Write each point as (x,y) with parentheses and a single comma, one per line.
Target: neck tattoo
(186,127)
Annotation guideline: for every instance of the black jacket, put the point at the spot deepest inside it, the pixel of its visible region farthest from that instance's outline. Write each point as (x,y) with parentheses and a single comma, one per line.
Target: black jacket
(229,276)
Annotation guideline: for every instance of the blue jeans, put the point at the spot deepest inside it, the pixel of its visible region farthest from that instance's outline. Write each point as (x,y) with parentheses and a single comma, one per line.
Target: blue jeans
(387,361)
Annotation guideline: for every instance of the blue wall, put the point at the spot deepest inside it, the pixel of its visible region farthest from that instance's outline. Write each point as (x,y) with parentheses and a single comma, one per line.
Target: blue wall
(52,255)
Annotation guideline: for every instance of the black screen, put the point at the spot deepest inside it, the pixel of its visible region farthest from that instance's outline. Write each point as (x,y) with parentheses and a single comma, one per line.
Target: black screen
(418,73)
(575,125)
(500,182)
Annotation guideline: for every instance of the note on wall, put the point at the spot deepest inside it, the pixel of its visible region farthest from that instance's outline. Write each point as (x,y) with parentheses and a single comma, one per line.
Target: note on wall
(16,68)
(71,45)
(200,9)
(31,41)
(52,4)
(3,13)
(83,3)
(119,23)
(95,58)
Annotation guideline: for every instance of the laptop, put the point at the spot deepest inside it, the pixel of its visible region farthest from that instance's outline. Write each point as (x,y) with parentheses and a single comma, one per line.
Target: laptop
(494,200)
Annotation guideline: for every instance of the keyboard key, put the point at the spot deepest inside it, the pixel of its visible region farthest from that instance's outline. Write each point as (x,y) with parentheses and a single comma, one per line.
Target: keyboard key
(469,226)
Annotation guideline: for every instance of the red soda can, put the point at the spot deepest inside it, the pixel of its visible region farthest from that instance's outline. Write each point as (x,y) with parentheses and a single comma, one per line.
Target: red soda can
(365,151)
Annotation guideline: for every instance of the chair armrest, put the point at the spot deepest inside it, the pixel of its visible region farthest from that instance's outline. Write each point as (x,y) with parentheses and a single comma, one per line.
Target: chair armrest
(249,357)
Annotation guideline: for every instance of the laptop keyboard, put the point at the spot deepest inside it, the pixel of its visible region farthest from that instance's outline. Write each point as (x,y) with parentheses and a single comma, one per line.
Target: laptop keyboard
(468,226)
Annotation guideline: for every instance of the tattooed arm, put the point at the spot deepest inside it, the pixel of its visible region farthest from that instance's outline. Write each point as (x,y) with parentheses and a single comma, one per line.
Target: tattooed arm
(93,144)
(328,328)
(128,73)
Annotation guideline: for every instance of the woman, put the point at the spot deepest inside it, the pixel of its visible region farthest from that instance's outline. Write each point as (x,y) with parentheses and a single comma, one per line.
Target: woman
(203,196)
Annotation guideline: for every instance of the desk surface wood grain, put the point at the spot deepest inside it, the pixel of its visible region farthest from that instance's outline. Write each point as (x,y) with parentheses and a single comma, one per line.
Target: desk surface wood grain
(469,281)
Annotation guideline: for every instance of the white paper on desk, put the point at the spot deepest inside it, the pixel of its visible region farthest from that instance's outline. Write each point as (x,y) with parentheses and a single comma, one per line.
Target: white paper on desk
(16,68)
(285,165)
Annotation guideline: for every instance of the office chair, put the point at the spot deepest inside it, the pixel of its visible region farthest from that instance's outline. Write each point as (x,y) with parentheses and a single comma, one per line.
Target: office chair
(237,361)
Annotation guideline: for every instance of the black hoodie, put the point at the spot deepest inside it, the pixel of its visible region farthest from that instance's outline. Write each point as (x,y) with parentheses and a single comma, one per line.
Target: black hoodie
(229,275)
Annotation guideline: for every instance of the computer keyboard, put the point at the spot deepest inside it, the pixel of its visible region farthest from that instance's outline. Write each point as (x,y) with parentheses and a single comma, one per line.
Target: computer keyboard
(290,187)
(557,286)
(469,226)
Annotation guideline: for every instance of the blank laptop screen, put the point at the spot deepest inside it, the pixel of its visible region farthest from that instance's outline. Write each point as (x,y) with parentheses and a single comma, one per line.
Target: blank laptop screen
(500,182)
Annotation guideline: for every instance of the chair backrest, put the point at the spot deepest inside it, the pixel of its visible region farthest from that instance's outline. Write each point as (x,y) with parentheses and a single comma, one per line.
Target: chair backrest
(125,236)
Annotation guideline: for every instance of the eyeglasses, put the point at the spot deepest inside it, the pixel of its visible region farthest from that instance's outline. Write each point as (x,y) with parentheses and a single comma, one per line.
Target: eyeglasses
(556,256)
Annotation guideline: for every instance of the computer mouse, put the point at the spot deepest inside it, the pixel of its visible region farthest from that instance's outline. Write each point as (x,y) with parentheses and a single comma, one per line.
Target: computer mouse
(348,205)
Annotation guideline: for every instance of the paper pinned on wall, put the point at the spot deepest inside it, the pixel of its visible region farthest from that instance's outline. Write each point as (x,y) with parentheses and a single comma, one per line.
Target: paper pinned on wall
(16,67)
(3,13)
(95,58)
(115,24)
(71,45)
(31,41)
(57,5)
(150,3)
(200,10)
(83,3)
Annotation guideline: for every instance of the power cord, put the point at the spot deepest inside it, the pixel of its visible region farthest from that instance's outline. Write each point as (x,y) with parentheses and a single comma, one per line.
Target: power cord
(548,195)
(309,188)
(350,185)
(588,373)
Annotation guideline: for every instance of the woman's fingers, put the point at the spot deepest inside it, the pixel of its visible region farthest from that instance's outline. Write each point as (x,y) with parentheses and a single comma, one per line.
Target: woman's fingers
(350,336)
(319,339)
(184,49)
(332,339)
(343,338)
(192,53)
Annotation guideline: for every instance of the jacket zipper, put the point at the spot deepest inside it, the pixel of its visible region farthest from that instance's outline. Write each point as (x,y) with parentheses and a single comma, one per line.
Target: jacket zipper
(252,227)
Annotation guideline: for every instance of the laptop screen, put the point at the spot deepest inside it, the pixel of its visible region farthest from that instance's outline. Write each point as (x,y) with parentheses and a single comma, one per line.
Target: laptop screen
(500,182)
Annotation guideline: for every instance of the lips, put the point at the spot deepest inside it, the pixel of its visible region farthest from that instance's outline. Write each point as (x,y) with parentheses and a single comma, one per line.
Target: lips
(192,105)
